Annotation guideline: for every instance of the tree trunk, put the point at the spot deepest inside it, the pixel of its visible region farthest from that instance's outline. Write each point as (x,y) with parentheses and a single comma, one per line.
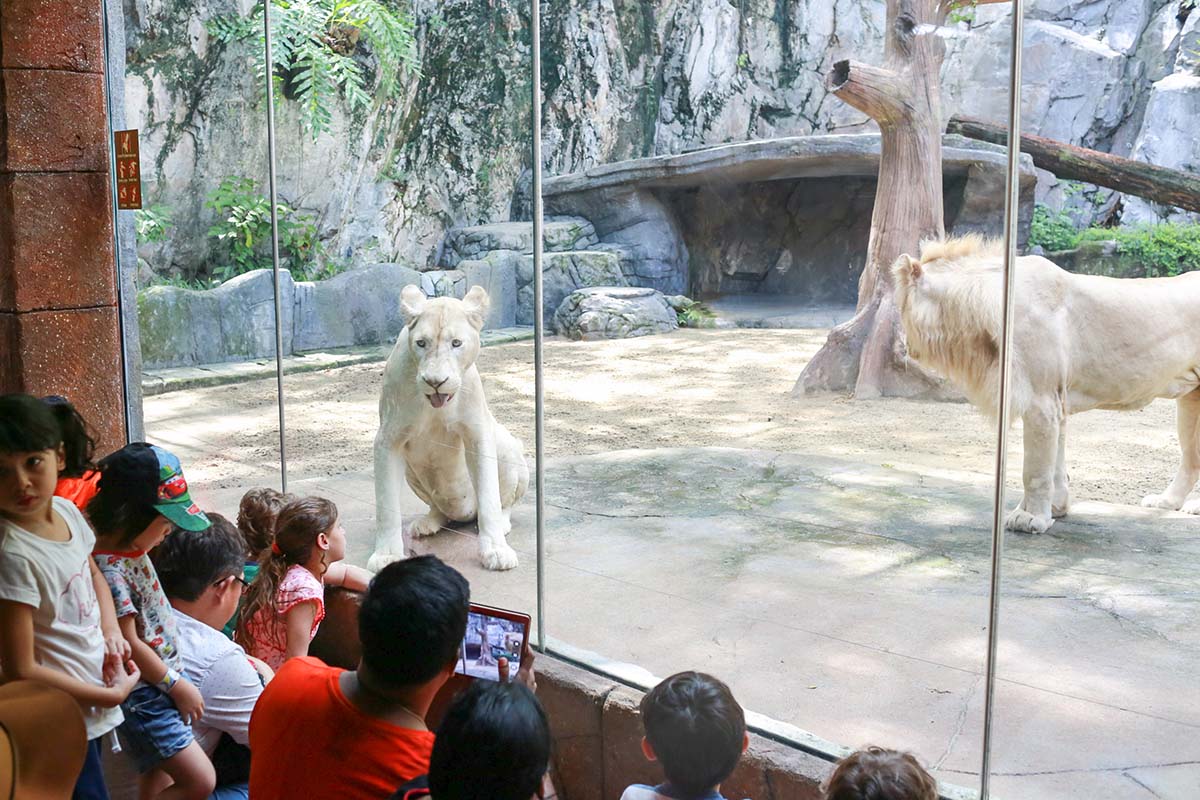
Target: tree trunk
(867,354)
(1159,184)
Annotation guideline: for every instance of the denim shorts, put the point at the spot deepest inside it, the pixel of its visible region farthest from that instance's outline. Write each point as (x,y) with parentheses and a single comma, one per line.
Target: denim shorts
(153,729)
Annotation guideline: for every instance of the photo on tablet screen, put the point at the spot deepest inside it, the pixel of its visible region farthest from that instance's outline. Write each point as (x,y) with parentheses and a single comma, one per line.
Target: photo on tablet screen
(489,639)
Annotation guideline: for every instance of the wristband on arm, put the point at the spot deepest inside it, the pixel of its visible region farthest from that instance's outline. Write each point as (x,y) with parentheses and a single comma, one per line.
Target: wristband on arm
(167,682)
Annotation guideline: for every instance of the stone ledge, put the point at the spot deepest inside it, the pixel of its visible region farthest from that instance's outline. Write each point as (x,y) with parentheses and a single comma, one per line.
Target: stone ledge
(174,379)
(830,156)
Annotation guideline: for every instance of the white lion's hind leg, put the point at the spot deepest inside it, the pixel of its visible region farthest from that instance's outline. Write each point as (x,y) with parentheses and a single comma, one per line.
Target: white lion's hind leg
(1187,420)
(1191,507)
(1060,502)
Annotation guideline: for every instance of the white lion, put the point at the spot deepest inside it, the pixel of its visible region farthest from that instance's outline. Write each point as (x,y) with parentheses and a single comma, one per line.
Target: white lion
(435,430)
(1079,342)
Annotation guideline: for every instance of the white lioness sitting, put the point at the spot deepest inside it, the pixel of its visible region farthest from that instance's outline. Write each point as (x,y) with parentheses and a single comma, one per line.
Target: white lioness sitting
(436,431)
(1079,342)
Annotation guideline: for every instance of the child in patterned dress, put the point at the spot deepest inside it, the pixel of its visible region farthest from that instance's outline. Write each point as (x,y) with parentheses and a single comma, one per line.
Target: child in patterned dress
(142,497)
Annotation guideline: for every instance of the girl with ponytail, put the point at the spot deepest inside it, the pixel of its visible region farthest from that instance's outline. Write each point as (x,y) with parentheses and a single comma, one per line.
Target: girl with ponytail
(79,480)
(286,603)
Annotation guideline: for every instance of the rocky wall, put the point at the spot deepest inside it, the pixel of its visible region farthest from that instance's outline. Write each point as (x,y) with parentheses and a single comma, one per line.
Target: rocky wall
(622,79)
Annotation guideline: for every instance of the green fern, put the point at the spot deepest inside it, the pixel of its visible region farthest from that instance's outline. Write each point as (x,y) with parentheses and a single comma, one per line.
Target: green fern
(313,44)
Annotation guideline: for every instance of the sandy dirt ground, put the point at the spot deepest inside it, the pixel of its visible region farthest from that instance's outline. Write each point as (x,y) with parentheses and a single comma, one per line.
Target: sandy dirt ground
(691,388)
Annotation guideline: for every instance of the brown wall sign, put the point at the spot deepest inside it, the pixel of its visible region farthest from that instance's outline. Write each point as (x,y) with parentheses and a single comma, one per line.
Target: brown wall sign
(129,173)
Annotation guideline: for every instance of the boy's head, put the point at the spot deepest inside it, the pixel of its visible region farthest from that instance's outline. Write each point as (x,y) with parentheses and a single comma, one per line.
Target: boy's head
(412,621)
(203,568)
(493,744)
(139,484)
(878,774)
(695,730)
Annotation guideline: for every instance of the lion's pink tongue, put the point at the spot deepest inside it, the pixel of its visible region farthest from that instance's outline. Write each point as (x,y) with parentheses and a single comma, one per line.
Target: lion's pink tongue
(438,400)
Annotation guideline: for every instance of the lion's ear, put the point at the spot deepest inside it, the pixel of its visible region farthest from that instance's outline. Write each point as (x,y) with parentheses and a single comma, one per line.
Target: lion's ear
(907,269)
(412,302)
(477,303)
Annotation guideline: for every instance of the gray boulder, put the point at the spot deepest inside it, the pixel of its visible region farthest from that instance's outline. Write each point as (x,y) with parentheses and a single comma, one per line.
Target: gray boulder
(444,283)
(476,241)
(563,273)
(1168,138)
(614,312)
(234,322)
(361,306)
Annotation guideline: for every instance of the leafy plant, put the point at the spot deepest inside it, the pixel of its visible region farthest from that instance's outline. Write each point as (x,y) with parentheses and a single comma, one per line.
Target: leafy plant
(313,47)
(963,11)
(1053,230)
(243,231)
(693,314)
(152,223)
(1159,250)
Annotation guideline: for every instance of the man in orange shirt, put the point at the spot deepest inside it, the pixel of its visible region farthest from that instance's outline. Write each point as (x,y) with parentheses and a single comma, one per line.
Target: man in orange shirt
(320,731)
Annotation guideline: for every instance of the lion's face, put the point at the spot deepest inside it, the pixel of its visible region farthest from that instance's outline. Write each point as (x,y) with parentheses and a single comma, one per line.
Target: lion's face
(443,337)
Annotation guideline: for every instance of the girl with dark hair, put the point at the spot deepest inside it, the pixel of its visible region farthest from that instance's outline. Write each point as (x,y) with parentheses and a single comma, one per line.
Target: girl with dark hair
(79,479)
(57,623)
(286,603)
(493,744)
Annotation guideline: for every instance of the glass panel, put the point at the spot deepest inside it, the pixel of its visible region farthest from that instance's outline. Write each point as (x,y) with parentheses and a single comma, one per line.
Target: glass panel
(410,169)
(202,328)
(772,493)
(1099,632)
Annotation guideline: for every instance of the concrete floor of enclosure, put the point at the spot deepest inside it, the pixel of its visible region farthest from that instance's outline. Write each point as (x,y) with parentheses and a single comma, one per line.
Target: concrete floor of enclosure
(839,589)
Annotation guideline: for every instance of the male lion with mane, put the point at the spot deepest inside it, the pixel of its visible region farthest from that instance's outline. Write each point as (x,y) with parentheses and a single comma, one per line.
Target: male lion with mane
(1079,342)
(437,432)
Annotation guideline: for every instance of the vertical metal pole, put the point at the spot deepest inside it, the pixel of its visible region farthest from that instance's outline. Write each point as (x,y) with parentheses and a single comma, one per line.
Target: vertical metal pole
(538,382)
(1011,214)
(126,377)
(270,73)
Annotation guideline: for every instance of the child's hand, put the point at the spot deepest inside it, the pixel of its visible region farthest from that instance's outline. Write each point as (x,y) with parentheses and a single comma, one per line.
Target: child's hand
(188,700)
(525,673)
(116,652)
(124,681)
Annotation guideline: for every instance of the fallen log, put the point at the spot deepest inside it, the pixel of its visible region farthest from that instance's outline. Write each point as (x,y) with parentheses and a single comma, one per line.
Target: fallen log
(1170,187)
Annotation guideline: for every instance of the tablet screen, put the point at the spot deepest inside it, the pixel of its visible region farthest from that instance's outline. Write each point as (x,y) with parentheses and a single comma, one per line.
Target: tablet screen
(489,639)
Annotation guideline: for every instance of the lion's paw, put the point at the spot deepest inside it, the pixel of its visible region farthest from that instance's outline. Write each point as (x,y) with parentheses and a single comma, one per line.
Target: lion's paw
(1191,507)
(499,558)
(1022,521)
(379,560)
(1159,501)
(425,526)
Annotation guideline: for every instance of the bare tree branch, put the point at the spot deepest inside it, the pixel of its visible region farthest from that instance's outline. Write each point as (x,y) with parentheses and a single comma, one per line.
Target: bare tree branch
(879,93)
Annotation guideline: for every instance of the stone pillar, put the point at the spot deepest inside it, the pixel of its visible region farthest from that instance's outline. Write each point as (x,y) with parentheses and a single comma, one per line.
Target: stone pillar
(59,331)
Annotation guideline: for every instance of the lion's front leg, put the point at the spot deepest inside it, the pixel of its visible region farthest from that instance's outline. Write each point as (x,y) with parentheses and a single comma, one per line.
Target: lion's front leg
(1187,421)
(389,530)
(485,475)
(1034,514)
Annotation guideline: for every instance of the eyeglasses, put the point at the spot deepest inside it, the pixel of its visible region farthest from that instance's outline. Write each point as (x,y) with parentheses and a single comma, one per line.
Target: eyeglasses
(238,578)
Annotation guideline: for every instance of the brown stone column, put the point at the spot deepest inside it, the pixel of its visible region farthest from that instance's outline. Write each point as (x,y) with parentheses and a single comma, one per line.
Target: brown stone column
(59,331)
